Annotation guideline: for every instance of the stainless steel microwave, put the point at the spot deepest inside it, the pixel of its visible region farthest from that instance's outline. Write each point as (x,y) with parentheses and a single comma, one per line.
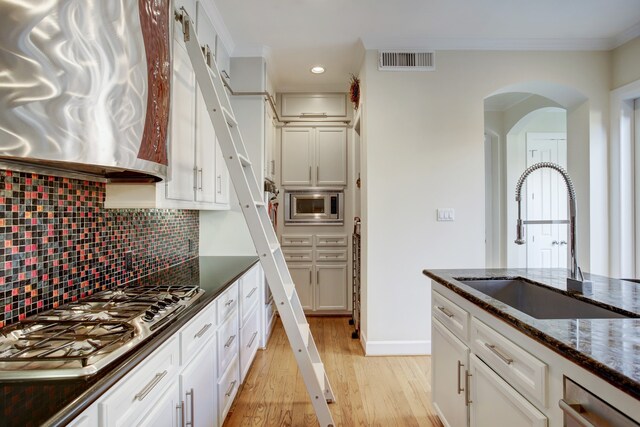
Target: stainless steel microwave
(314,206)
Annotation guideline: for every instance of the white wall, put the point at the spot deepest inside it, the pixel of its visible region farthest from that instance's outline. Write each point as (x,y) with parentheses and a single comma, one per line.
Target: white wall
(424,149)
(225,232)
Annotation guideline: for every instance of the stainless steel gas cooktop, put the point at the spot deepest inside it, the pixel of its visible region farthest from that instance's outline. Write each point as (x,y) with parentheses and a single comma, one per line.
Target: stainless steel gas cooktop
(80,338)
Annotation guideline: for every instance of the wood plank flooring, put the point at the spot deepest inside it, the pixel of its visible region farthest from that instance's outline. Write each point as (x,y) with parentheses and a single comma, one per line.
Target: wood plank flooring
(370,391)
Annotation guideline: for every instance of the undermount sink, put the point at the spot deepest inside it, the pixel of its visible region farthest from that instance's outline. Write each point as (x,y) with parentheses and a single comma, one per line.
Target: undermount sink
(538,301)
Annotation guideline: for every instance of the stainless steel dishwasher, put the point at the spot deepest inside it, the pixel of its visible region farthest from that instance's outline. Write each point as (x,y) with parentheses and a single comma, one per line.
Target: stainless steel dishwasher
(584,409)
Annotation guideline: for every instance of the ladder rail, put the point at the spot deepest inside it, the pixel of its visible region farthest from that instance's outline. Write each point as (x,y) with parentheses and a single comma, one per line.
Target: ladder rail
(254,210)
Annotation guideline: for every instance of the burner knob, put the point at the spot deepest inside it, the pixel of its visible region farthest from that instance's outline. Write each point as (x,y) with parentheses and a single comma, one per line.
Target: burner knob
(161,304)
(148,316)
(175,298)
(153,309)
(169,301)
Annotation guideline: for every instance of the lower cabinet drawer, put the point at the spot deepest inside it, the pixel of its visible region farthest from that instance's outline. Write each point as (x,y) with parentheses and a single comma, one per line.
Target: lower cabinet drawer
(227,302)
(331,254)
(523,371)
(298,255)
(249,342)
(227,343)
(455,318)
(196,333)
(133,397)
(227,389)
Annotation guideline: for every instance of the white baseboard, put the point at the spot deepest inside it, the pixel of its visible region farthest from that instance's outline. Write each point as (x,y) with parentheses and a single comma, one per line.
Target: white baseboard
(395,348)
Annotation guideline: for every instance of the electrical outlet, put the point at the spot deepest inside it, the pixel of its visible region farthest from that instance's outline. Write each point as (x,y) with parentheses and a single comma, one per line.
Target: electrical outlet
(128,261)
(190,245)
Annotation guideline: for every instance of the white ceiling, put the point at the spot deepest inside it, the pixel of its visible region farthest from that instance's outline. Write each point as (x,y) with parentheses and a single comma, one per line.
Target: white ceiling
(297,34)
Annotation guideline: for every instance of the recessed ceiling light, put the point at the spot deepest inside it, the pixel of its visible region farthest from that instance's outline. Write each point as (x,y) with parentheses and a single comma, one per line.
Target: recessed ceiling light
(317,69)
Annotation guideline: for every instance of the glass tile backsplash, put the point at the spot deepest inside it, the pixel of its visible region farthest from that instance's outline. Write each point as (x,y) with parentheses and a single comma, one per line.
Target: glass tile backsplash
(58,243)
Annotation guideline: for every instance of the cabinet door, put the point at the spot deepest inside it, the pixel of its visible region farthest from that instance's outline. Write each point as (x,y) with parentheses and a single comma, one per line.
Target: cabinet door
(198,388)
(222,178)
(269,144)
(302,278)
(180,182)
(331,156)
(166,411)
(205,135)
(449,362)
(331,287)
(297,156)
(495,403)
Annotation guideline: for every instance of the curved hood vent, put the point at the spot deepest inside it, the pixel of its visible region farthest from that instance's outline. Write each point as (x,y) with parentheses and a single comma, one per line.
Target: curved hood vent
(86,86)
(406,61)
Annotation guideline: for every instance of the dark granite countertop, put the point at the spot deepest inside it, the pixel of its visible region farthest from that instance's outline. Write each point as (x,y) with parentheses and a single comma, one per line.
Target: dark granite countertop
(609,348)
(56,402)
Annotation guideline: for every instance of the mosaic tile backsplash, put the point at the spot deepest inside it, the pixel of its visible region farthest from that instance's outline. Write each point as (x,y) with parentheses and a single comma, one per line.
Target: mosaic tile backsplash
(58,243)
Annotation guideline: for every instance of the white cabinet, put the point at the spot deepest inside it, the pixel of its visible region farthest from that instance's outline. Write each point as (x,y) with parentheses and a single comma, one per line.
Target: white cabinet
(449,365)
(167,411)
(318,270)
(313,105)
(331,287)
(198,388)
(314,156)
(302,278)
(222,179)
(269,144)
(144,390)
(495,403)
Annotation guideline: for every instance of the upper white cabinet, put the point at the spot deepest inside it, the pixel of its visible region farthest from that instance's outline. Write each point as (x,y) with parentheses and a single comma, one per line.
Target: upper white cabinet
(269,144)
(314,156)
(307,105)
(197,175)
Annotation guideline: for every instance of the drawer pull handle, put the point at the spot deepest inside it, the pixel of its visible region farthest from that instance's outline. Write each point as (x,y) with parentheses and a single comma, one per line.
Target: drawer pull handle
(253,291)
(574,412)
(460,389)
(445,311)
(228,303)
(230,389)
(154,382)
(202,331)
(253,338)
(191,423)
(180,410)
(498,353)
(467,394)
(229,341)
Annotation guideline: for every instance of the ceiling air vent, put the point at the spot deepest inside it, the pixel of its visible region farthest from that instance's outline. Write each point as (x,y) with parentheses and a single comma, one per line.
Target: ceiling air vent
(406,61)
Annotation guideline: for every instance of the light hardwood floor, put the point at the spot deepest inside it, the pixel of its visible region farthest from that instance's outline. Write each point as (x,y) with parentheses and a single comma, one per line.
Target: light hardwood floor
(370,391)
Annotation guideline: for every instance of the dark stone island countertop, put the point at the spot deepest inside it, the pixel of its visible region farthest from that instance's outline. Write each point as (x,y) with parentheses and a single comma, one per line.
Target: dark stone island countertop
(609,348)
(57,402)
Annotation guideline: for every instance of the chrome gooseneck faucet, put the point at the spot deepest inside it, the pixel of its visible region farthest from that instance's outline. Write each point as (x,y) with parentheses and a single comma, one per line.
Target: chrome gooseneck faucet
(575,282)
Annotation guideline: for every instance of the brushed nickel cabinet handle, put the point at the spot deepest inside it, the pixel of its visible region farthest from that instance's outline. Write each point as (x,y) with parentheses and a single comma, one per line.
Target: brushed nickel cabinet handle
(229,341)
(273,167)
(228,303)
(460,389)
(180,415)
(230,389)
(573,411)
(204,329)
(200,179)
(154,382)
(445,311)
(253,338)
(309,173)
(191,422)
(317,277)
(495,350)
(467,382)
(253,291)
(317,173)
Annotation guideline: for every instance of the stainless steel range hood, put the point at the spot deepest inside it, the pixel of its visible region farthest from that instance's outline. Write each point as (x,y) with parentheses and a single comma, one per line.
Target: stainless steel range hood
(84,86)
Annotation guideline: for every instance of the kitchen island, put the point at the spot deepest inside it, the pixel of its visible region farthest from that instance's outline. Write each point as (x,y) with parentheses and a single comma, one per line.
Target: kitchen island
(601,354)
(57,402)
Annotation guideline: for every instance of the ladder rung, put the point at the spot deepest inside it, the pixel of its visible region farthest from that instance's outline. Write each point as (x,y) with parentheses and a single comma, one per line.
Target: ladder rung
(244,161)
(231,121)
(304,331)
(318,368)
(288,289)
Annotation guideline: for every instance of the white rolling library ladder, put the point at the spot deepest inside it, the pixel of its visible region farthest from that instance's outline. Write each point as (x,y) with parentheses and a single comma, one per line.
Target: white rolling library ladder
(255,212)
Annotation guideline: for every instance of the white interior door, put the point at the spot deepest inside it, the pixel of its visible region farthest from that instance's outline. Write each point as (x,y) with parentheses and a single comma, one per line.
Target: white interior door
(546,199)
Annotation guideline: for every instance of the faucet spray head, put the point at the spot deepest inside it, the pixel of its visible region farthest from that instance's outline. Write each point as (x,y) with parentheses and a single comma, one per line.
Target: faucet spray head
(520,233)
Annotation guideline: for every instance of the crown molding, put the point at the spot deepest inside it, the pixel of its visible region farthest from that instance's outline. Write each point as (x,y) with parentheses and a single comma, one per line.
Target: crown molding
(625,36)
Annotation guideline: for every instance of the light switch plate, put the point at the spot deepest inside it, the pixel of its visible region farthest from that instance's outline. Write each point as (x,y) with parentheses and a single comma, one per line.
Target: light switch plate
(446,214)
